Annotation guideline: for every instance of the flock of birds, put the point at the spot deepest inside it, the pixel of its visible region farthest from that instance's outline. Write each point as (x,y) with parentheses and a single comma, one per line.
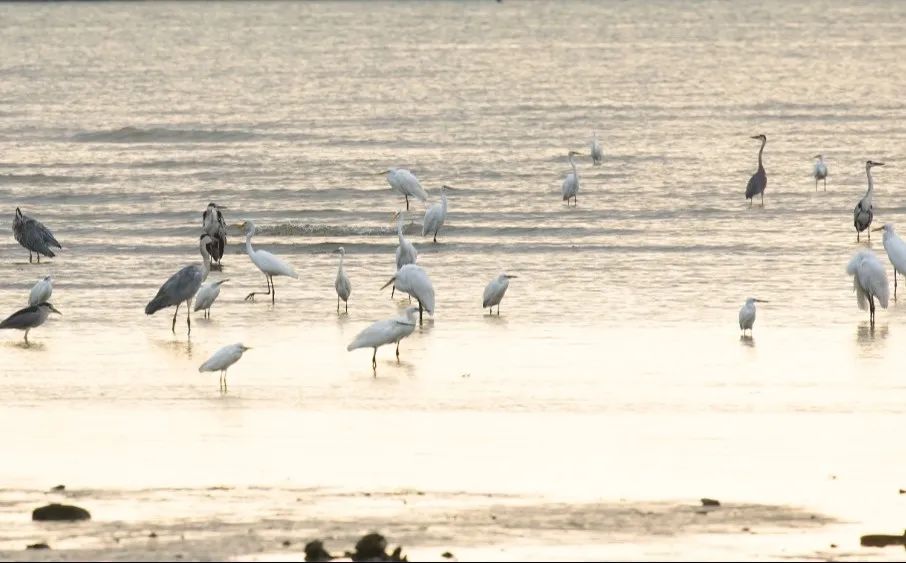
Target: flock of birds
(869,277)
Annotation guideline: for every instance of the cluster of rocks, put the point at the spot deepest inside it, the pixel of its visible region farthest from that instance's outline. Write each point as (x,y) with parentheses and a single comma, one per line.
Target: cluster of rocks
(372,547)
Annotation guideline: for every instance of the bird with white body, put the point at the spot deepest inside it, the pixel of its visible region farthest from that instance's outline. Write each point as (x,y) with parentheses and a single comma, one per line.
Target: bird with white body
(386,332)
(34,236)
(864,213)
(597,154)
(896,252)
(494,292)
(342,283)
(28,318)
(436,214)
(414,280)
(759,180)
(405,183)
(222,360)
(182,286)
(405,251)
(869,281)
(570,188)
(41,291)
(269,264)
(747,314)
(820,171)
(206,296)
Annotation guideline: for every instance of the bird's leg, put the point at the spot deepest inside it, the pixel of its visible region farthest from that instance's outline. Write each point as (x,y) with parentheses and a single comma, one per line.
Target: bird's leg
(857,236)
(38,254)
(188,317)
(825,183)
(419,313)
(894,284)
(871,310)
(26,336)
(338,303)
(392,291)
(407,201)
(816,184)
(176,312)
(374,359)
(435,237)
(762,199)
(273,291)
(224,381)
(347,306)
(251,296)
(397,351)
(29,256)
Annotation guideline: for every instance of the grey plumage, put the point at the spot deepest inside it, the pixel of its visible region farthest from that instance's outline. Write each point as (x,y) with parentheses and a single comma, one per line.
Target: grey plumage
(33,235)
(29,318)
(182,286)
(862,217)
(214,225)
(759,180)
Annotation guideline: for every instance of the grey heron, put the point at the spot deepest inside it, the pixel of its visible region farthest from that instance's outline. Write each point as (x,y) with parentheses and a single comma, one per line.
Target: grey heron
(206,296)
(869,281)
(30,317)
(820,171)
(896,252)
(222,359)
(41,291)
(405,183)
(412,279)
(494,292)
(269,264)
(747,314)
(34,236)
(863,213)
(182,286)
(214,225)
(570,187)
(759,180)
(385,332)
(436,214)
(342,283)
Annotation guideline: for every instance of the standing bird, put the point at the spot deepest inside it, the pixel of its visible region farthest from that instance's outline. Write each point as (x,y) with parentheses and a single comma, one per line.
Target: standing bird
(896,252)
(869,281)
(41,291)
(269,264)
(570,187)
(820,171)
(222,360)
(33,235)
(759,180)
(747,314)
(206,296)
(405,183)
(494,292)
(405,252)
(436,214)
(182,286)
(385,332)
(863,213)
(412,279)
(597,154)
(29,317)
(342,283)
(215,226)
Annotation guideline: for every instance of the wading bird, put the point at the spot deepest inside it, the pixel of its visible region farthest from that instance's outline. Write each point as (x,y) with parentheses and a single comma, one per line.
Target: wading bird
(896,252)
(405,252)
(759,180)
(214,225)
(863,213)
(385,332)
(34,236)
(570,187)
(41,291)
(342,283)
(405,183)
(820,171)
(412,279)
(747,314)
(869,281)
(182,286)
(29,318)
(494,292)
(269,264)
(597,155)
(222,360)
(436,214)
(206,296)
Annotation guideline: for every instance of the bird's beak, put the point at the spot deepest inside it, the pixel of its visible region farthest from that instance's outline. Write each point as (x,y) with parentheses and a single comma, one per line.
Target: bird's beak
(761,301)
(382,173)
(754,137)
(878,229)
(879,164)
(54,309)
(244,348)
(393,279)
(509,277)
(449,188)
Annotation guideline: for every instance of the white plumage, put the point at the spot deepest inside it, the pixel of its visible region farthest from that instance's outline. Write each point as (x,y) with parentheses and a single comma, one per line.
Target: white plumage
(222,360)
(269,264)
(386,332)
(820,171)
(406,184)
(597,154)
(405,252)
(747,314)
(869,281)
(206,296)
(436,214)
(896,252)
(41,291)
(494,292)
(342,283)
(414,280)
(570,187)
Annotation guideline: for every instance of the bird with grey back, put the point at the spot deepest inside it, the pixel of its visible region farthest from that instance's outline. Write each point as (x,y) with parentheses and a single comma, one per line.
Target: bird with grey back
(182,286)
(863,213)
(759,180)
(747,314)
(819,172)
(41,291)
(213,223)
(494,292)
(28,318)
(34,236)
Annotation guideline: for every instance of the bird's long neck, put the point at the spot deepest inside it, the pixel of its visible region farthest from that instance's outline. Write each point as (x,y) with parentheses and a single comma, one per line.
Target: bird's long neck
(205,262)
(443,201)
(399,229)
(573,164)
(871,184)
(342,256)
(248,244)
(760,151)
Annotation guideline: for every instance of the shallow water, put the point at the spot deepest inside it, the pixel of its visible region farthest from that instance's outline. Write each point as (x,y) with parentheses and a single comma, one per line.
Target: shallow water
(615,375)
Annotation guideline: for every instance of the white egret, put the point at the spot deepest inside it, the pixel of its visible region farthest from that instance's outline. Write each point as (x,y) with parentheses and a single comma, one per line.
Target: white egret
(494,291)
(269,264)
(222,360)
(436,214)
(896,252)
(404,183)
(182,286)
(597,154)
(206,296)
(747,314)
(41,291)
(869,281)
(405,252)
(342,283)
(212,223)
(412,279)
(29,318)
(820,171)
(570,187)
(759,180)
(386,332)
(864,213)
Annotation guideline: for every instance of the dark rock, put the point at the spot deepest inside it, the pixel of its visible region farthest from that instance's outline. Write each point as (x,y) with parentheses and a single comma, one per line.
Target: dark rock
(60,512)
(447,555)
(710,502)
(58,489)
(314,551)
(371,546)
(38,546)
(882,540)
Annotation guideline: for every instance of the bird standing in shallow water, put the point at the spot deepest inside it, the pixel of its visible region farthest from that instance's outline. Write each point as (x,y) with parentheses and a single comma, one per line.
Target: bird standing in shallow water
(597,155)
(222,360)
(494,291)
(869,281)
(29,318)
(820,171)
(570,188)
(269,264)
(214,225)
(206,296)
(342,283)
(385,332)
(747,314)
(414,280)
(863,213)
(405,252)
(759,180)
(436,214)
(41,291)
(182,286)
(405,183)
(34,236)
(896,252)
